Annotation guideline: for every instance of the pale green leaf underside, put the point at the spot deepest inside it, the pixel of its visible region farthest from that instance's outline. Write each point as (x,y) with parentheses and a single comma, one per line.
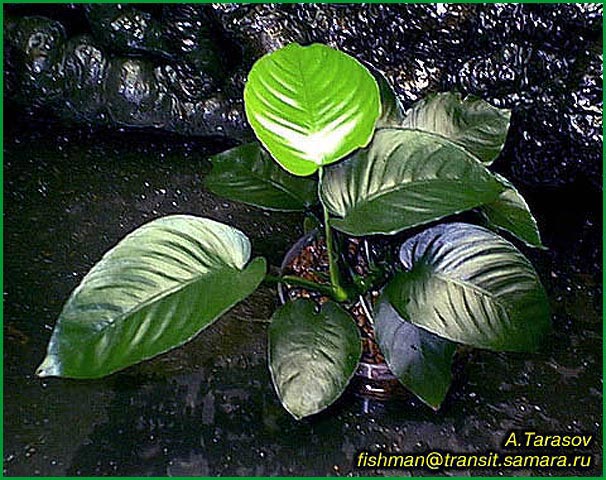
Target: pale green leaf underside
(311,106)
(469,285)
(419,359)
(248,174)
(510,212)
(155,290)
(403,179)
(471,122)
(312,355)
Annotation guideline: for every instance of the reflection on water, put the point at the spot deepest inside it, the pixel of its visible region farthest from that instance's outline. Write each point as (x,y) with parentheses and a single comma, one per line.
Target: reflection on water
(209,408)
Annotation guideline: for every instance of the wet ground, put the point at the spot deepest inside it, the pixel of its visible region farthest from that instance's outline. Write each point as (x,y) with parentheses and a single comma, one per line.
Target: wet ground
(209,407)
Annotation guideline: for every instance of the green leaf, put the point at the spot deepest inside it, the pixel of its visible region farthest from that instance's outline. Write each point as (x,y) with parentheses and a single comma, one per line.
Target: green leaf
(155,290)
(312,355)
(248,174)
(469,285)
(421,360)
(391,109)
(471,122)
(405,178)
(311,106)
(510,212)
(311,223)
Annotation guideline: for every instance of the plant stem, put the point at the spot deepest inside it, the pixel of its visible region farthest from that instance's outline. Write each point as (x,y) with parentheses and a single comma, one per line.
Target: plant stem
(301,282)
(339,293)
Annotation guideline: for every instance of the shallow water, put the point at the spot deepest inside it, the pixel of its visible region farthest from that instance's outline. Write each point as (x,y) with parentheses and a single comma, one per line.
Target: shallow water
(209,407)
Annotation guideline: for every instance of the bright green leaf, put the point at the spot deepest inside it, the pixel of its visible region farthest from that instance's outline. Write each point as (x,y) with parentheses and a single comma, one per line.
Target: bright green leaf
(248,174)
(421,360)
(469,285)
(156,289)
(403,179)
(311,106)
(471,122)
(312,355)
(510,212)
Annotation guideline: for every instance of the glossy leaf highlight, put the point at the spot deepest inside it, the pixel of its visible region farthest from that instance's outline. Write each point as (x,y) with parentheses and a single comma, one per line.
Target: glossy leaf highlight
(311,106)
(312,355)
(248,174)
(156,289)
(403,179)
(469,122)
(469,285)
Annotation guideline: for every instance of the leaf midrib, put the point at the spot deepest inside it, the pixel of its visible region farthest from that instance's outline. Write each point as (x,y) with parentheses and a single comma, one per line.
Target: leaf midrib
(441,137)
(395,189)
(467,285)
(281,187)
(158,297)
(271,182)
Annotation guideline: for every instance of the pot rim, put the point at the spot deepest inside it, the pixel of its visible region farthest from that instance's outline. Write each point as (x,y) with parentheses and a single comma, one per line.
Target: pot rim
(292,252)
(370,371)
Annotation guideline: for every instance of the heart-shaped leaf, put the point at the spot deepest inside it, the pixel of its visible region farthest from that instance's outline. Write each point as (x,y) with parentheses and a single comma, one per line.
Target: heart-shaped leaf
(471,122)
(155,290)
(421,360)
(311,106)
(312,355)
(403,179)
(510,212)
(469,285)
(248,174)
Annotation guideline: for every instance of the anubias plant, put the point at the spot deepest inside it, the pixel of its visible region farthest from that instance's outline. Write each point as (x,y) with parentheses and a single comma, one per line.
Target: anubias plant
(333,140)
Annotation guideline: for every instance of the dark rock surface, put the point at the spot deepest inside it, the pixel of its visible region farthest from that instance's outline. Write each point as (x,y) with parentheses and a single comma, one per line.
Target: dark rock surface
(182,67)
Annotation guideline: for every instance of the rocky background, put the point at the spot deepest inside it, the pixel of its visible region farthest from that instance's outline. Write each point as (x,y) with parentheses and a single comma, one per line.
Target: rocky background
(182,68)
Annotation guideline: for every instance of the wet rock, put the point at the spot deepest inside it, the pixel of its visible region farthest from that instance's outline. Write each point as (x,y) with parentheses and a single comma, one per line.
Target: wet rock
(36,63)
(182,67)
(90,79)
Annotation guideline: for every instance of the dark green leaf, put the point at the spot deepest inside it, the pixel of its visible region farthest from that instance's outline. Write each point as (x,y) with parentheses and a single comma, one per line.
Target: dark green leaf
(311,106)
(510,212)
(311,223)
(469,285)
(421,360)
(391,109)
(312,355)
(248,174)
(405,178)
(155,290)
(471,122)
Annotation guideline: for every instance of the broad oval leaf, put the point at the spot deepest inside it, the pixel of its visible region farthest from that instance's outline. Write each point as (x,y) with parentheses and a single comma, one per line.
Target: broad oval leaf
(469,285)
(403,179)
(248,174)
(469,122)
(312,355)
(510,212)
(421,360)
(311,106)
(155,290)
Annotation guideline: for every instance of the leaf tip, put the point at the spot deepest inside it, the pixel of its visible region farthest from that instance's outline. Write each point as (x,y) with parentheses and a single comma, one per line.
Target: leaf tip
(296,416)
(48,368)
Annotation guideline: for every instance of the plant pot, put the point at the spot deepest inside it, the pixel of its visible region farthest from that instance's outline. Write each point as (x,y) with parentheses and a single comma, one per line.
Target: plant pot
(305,258)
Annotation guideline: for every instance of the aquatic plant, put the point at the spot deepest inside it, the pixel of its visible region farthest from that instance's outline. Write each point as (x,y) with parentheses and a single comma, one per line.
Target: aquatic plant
(335,143)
